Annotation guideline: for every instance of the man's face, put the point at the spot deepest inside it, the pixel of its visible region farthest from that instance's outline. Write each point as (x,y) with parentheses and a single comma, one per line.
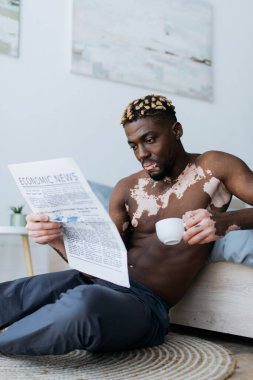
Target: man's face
(155,145)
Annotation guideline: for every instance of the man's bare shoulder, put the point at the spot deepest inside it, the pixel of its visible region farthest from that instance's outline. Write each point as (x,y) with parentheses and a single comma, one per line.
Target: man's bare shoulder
(213,155)
(129,181)
(222,165)
(215,159)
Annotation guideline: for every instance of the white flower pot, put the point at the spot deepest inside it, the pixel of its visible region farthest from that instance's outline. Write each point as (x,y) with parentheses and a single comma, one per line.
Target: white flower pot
(18,220)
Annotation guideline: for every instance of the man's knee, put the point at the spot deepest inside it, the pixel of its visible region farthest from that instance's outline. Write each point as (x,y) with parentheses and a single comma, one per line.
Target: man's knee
(86,300)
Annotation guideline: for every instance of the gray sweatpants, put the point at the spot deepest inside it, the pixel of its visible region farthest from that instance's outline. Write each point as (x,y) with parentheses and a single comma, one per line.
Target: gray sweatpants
(56,313)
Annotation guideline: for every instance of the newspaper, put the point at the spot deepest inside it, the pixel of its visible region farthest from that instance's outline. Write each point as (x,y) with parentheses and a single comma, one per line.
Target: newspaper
(58,189)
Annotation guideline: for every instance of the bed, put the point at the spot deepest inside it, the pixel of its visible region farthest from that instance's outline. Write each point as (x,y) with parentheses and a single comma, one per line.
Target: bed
(221,296)
(220,299)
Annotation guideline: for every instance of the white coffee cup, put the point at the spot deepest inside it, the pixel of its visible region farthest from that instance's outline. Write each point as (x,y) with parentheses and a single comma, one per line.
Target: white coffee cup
(170,230)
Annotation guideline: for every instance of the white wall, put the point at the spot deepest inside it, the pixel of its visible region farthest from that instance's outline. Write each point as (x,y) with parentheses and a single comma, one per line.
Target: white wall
(47,112)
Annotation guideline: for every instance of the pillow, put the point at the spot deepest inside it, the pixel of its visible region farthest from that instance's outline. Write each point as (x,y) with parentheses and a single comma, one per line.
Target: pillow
(236,246)
(103,193)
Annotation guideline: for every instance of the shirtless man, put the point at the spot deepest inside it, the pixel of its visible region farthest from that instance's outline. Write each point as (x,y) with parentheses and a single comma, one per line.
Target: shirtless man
(173,183)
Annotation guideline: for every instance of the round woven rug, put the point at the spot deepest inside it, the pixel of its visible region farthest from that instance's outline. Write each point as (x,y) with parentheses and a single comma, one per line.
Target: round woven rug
(179,358)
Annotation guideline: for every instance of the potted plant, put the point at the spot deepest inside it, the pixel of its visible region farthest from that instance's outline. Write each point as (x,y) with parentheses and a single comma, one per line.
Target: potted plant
(17,218)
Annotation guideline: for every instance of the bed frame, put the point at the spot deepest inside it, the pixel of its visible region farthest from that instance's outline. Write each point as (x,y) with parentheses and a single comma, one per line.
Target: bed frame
(220,299)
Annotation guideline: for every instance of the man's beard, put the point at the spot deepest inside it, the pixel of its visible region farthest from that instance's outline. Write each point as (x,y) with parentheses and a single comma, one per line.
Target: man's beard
(158,176)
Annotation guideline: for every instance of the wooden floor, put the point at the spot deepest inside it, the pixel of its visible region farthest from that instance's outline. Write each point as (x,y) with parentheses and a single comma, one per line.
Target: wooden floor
(242,348)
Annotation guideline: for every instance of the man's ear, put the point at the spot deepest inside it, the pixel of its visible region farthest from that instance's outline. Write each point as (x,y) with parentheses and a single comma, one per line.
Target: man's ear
(177,130)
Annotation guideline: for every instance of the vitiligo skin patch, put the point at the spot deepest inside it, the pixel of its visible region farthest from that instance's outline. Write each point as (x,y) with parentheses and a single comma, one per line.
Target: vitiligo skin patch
(145,202)
(192,174)
(217,192)
(234,227)
(125,226)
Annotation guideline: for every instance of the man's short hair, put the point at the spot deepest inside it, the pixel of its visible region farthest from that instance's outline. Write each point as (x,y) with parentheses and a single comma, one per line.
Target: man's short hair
(155,106)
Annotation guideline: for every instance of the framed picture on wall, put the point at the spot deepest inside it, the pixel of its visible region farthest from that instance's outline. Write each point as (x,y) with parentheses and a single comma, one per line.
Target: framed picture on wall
(9,27)
(165,45)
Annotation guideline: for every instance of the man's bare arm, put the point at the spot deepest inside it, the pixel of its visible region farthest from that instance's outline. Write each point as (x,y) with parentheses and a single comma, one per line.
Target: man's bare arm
(118,210)
(204,226)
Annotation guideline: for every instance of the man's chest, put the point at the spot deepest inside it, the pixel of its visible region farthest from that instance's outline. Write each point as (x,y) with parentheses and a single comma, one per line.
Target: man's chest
(149,201)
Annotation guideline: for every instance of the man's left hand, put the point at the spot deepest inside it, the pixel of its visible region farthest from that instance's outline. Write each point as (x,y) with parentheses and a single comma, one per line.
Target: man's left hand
(199,227)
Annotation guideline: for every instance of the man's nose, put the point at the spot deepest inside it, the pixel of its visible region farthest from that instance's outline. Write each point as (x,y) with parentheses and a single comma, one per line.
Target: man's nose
(142,152)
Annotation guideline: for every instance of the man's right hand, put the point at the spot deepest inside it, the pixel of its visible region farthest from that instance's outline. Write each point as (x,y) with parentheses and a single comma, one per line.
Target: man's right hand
(41,231)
